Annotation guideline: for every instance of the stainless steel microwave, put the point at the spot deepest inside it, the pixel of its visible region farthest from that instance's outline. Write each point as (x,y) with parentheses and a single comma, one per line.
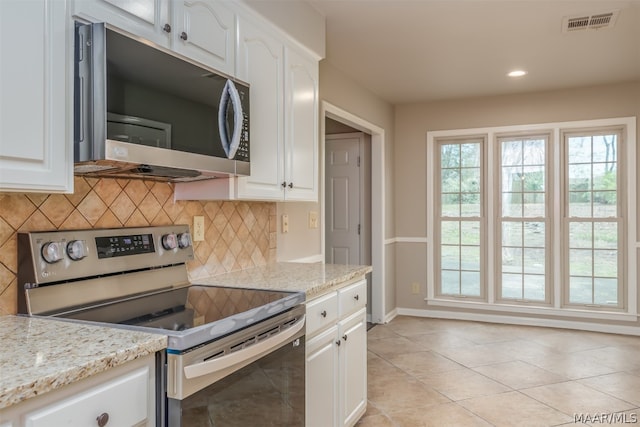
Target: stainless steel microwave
(140,111)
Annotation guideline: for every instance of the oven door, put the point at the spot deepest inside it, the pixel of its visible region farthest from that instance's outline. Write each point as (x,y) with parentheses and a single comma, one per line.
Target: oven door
(254,377)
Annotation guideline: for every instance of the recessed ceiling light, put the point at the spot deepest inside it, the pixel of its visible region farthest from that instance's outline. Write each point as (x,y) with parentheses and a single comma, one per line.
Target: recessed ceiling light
(517,73)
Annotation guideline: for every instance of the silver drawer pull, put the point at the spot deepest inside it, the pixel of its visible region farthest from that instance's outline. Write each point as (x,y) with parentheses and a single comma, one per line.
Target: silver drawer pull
(356,297)
(324,313)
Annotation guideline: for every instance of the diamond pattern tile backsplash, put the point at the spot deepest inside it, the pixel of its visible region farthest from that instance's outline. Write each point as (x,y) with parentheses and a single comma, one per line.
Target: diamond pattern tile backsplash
(238,235)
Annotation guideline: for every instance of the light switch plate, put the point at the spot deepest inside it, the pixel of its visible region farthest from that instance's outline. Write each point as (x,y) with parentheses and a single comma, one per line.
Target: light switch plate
(285,223)
(313,219)
(198,228)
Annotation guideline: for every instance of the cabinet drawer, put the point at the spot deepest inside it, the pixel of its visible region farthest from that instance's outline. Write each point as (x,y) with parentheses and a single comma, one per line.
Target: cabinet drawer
(352,298)
(124,399)
(321,312)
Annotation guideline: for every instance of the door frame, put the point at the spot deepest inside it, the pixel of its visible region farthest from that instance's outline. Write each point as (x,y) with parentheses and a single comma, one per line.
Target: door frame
(328,110)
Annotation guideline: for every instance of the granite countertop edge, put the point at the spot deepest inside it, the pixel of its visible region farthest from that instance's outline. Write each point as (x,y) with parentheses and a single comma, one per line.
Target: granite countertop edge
(39,366)
(314,279)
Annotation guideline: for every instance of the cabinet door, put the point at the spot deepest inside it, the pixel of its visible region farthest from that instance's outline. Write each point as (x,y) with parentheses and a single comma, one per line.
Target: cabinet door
(301,112)
(353,368)
(260,63)
(204,31)
(321,379)
(36,138)
(148,19)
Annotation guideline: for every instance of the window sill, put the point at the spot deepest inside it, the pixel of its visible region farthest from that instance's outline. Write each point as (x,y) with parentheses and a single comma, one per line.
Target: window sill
(540,311)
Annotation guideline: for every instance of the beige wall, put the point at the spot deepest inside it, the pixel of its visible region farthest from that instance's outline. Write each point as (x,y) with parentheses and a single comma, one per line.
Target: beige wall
(238,235)
(415,120)
(346,93)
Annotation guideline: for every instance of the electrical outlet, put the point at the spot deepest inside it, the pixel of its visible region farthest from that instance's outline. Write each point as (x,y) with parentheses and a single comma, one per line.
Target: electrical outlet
(313,219)
(285,223)
(415,288)
(198,228)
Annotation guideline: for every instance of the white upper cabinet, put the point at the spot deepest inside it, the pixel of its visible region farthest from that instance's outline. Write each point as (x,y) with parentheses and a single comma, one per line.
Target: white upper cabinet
(36,133)
(260,62)
(205,31)
(201,30)
(301,136)
(284,95)
(148,19)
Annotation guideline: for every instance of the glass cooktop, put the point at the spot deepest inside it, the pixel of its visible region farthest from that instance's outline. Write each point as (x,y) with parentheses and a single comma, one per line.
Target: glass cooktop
(193,315)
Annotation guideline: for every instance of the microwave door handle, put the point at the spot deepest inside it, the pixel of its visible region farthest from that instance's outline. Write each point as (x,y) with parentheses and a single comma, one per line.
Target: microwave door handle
(236,103)
(231,95)
(240,357)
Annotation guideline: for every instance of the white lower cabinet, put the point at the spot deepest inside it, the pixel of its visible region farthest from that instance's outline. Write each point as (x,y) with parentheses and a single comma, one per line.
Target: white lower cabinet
(321,381)
(122,396)
(353,367)
(336,357)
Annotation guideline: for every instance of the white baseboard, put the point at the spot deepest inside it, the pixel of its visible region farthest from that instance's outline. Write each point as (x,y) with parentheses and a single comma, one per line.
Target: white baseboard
(514,320)
(390,316)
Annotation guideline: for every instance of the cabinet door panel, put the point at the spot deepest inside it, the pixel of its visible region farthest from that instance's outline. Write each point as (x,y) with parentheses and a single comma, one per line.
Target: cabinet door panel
(143,18)
(209,28)
(353,367)
(302,127)
(260,63)
(321,381)
(35,148)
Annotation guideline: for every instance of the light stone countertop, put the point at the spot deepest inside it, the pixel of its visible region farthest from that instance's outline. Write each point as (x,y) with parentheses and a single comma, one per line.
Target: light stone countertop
(38,355)
(313,279)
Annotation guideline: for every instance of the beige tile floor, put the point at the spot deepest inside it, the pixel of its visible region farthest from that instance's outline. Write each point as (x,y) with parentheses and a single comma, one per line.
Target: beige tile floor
(432,372)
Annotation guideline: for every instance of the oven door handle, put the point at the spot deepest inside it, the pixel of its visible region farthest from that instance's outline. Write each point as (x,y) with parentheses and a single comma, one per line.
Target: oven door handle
(248,354)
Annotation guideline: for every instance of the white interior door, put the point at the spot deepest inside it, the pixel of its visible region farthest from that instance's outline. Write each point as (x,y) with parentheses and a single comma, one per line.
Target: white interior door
(342,215)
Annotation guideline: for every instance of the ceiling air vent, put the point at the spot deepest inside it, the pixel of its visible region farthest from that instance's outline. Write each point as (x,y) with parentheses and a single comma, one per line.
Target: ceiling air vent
(589,22)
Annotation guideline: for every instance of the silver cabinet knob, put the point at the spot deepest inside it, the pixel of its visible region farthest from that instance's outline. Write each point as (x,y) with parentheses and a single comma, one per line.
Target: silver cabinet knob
(183,36)
(344,337)
(324,313)
(166,28)
(291,185)
(356,297)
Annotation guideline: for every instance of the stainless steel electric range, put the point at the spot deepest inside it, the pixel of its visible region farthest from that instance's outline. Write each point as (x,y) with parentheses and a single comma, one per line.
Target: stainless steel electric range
(234,354)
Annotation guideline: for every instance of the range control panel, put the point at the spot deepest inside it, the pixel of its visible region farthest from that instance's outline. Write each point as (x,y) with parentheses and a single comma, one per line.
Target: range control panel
(131,244)
(55,256)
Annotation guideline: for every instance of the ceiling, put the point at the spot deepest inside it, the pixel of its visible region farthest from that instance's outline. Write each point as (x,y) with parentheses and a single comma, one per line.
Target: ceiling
(427,50)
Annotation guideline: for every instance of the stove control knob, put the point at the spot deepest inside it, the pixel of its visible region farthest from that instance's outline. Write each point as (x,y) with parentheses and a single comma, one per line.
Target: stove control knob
(169,241)
(52,252)
(77,249)
(184,240)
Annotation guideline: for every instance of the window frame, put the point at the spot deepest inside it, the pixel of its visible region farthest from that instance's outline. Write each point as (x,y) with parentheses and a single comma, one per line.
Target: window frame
(548,218)
(621,219)
(490,304)
(481,139)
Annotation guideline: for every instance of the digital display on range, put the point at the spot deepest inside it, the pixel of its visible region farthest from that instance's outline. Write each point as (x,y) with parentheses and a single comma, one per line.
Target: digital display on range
(113,246)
